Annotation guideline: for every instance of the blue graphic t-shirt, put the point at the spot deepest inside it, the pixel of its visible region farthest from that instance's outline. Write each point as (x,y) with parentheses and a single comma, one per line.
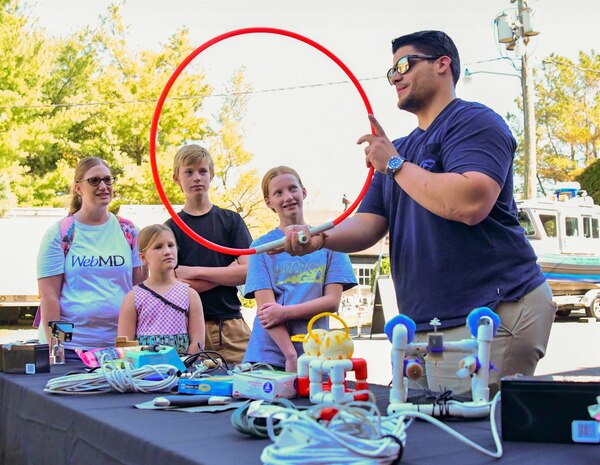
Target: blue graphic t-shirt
(97,275)
(444,268)
(293,280)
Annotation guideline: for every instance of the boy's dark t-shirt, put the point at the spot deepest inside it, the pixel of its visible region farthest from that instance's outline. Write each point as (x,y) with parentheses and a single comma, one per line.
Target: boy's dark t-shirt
(223,227)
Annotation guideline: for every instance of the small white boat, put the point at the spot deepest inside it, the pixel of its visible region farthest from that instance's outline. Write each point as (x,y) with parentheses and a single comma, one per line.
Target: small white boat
(564,231)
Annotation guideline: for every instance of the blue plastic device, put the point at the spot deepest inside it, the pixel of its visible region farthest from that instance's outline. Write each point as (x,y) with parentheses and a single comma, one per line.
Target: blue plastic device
(157,355)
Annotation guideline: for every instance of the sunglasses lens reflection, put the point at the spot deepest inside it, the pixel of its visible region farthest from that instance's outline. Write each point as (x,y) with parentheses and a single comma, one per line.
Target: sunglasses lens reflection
(401,66)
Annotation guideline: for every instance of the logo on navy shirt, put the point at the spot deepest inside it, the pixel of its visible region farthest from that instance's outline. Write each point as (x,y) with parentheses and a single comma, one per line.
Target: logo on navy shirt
(427,164)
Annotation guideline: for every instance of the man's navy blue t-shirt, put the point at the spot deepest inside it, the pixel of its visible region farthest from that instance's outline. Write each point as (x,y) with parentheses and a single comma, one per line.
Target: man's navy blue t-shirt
(443,268)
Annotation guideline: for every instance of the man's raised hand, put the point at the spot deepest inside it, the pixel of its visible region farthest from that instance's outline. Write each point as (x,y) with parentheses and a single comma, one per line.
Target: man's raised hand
(380,148)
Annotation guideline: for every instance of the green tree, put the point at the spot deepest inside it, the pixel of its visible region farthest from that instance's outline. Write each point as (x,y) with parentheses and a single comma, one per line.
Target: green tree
(590,181)
(382,269)
(567,113)
(27,60)
(90,96)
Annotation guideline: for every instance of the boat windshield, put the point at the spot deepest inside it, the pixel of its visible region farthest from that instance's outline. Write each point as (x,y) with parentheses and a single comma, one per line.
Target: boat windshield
(549,224)
(526,223)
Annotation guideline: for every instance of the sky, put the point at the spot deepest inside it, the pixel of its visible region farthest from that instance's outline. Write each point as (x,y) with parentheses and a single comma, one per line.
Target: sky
(313,125)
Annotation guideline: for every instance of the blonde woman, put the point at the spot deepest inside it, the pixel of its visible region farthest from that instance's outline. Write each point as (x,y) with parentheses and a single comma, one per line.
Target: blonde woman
(87,284)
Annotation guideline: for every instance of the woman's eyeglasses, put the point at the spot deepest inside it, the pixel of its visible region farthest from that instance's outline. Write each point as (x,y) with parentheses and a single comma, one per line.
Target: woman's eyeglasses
(95,181)
(403,64)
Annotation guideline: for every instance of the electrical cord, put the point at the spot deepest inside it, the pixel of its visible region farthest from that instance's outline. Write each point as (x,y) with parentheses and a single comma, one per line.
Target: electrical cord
(116,376)
(494,403)
(257,366)
(351,435)
(198,367)
(440,405)
(200,358)
(257,426)
(356,434)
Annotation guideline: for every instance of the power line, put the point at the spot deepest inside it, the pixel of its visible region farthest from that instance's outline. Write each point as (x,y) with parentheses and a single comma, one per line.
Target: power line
(183,97)
(545,61)
(260,91)
(487,61)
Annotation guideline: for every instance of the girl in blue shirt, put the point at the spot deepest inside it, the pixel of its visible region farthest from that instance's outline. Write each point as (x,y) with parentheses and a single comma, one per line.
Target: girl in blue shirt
(288,290)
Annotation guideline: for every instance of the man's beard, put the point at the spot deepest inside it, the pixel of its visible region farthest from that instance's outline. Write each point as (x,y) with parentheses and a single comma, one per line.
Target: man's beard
(412,103)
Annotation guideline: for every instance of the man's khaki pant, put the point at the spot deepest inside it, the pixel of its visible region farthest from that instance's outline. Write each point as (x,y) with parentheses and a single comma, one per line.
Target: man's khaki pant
(518,345)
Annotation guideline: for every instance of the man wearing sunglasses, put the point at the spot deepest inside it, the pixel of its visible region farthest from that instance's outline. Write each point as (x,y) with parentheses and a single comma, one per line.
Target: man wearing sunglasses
(444,193)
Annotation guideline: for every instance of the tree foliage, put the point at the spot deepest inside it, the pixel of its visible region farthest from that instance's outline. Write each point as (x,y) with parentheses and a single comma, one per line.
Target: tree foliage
(590,181)
(26,62)
(567,111)
(382,269)
(88,94)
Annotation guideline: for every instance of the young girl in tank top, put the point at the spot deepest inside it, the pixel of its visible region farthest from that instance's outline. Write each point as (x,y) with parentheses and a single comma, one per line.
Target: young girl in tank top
(162,310)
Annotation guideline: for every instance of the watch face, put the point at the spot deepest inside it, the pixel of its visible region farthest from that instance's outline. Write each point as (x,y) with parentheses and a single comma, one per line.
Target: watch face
(394,163)
(393,166)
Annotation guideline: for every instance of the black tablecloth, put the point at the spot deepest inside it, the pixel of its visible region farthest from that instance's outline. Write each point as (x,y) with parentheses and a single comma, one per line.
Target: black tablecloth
(37,428)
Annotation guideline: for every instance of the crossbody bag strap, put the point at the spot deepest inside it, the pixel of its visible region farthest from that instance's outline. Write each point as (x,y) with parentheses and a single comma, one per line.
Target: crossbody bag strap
(163,299)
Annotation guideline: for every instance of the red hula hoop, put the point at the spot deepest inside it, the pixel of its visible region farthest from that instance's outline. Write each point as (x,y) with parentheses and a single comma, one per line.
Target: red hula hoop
(165,92)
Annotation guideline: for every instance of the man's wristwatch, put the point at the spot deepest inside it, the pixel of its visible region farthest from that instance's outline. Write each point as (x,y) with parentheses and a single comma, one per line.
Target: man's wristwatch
(394,165)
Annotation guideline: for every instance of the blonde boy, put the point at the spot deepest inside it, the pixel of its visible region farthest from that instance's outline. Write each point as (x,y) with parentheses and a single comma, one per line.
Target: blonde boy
(213,274)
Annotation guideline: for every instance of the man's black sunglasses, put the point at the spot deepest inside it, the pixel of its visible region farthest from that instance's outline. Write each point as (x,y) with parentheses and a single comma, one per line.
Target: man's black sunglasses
(403,64)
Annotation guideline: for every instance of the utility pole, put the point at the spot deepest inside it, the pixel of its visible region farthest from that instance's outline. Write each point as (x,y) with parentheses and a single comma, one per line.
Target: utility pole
(530,140)
(515,31)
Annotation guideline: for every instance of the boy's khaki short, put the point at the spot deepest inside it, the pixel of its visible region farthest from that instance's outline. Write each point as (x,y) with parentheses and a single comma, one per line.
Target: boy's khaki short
(229,338)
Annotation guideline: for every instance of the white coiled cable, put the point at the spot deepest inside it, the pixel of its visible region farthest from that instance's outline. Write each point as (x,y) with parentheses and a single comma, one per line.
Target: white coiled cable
(116,375)
(353,436)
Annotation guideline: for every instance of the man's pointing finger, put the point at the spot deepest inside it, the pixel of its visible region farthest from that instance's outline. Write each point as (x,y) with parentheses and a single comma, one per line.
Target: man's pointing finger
(376,126)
